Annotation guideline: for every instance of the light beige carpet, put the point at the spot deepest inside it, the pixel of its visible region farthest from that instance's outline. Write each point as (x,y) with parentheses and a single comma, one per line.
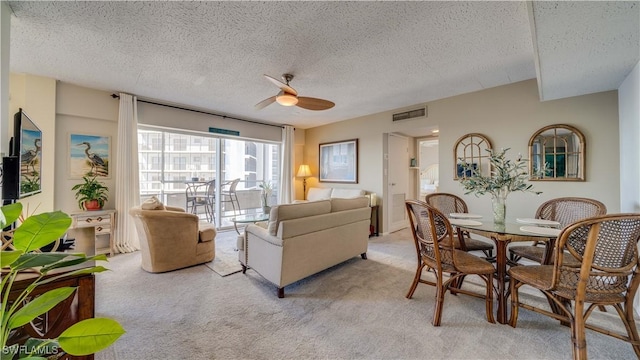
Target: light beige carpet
(355,310)
(226,261)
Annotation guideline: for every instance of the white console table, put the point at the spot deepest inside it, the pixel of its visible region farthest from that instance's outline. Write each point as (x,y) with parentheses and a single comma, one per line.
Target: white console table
(94,231)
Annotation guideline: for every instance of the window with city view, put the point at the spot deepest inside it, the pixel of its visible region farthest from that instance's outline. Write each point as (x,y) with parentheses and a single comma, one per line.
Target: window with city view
(171,161)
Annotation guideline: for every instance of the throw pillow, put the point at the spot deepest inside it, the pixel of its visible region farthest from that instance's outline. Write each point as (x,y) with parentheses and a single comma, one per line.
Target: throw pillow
(152,203)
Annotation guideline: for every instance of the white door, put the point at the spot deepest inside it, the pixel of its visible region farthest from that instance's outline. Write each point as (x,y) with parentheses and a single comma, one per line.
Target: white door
(397,165)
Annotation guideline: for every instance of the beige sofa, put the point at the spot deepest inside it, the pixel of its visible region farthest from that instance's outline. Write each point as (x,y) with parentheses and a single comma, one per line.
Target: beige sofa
(305,238)
(171,239)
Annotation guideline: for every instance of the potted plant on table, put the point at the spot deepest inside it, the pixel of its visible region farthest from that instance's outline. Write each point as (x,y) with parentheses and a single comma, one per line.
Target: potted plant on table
(91,194)
(82,338)
(506,176)
(267,190)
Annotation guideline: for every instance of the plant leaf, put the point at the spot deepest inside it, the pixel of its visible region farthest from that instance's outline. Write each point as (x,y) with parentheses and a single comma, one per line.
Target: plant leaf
(90,336)
(39,306)
(37,259)
(46,347)
(88,270)
(10,213)
(39,230)
(8,257)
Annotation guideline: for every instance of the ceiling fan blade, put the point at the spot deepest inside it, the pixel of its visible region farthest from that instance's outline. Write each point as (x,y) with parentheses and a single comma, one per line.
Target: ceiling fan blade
(264,103)
(310,103)
(281,85)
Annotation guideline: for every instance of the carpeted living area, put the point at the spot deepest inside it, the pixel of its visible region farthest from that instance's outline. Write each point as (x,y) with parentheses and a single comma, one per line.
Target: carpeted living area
(355,310)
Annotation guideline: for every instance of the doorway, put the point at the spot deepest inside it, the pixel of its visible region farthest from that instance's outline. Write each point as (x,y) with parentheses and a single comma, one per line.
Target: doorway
(429,168)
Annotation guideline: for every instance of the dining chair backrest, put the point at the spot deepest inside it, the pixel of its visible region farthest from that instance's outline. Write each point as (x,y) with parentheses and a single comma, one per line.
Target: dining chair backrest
(567,210)
(211,188)
(607,249)
(446,203)
(432,233)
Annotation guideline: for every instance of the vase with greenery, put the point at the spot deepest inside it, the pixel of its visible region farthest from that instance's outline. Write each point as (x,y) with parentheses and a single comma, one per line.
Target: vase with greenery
(83,338)
(267,190)
(91,194)
(506,176)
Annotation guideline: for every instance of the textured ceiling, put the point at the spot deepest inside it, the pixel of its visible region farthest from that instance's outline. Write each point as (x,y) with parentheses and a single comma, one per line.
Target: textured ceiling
(367,57)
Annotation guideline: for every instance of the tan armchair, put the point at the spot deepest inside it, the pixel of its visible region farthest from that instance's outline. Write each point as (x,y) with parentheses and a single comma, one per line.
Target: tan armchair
(172,239)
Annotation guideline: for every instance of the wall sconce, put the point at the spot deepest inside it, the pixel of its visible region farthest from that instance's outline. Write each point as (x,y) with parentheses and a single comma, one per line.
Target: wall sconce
(304,172)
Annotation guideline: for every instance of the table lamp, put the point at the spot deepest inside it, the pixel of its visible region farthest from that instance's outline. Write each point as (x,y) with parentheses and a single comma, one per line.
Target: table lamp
(304,172)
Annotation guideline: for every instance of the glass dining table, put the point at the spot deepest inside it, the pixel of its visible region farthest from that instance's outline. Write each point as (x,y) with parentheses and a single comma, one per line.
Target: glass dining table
(502,235)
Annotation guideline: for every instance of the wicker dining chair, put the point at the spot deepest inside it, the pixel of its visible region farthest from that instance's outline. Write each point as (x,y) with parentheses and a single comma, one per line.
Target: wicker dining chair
(432,235)
(449,203)
(607,274)
(565,210)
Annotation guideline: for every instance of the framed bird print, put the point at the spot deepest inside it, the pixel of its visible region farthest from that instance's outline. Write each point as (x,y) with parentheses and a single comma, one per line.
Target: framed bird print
(89,155)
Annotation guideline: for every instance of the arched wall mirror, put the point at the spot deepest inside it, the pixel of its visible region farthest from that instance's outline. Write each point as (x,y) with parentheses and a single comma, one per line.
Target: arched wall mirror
(472,149)
(556,153)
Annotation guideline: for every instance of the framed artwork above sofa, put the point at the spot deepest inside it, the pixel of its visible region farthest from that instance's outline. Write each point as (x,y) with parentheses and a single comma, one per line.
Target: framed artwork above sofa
(339,161)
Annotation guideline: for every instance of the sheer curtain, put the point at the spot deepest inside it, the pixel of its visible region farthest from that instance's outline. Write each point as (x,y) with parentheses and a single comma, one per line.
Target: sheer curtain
(127,178)
(286,171)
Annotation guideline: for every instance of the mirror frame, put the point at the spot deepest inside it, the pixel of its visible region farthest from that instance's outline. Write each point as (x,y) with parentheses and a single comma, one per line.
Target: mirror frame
(580,176)
(475,141)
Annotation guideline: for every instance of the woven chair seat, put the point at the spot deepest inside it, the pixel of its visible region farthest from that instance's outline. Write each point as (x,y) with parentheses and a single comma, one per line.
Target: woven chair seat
(473,244)
(472,264)
(536,253)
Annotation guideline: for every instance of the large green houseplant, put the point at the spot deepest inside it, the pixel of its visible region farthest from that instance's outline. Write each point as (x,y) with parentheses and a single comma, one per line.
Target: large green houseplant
(91,194)
(83,338)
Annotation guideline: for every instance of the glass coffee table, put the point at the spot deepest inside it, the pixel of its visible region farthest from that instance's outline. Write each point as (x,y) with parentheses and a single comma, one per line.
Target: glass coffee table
(248,219)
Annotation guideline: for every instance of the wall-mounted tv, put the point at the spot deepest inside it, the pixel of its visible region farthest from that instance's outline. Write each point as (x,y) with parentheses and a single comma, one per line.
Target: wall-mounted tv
(27,146)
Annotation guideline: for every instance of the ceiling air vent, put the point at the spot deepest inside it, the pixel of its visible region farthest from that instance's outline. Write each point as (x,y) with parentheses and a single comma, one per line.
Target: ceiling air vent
(411,114)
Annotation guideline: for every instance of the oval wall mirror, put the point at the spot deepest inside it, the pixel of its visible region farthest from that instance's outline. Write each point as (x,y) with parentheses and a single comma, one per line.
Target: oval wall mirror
(472,149)
(556,153)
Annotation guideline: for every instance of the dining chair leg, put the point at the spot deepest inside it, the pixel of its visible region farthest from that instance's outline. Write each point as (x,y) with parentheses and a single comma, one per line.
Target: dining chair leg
(513,289)
(416,280)
(437,311)
(489,298)
(630,324)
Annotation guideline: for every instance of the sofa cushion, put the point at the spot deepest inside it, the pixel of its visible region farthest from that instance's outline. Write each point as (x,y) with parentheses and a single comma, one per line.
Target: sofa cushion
(207,232)
(152,203)
(338,204)
(316,194)
(346,193)
(294,211)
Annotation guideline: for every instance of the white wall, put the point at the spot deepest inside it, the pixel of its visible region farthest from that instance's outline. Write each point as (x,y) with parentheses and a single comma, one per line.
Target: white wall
(629,109)
(508,115)
(629,104)
(5,31)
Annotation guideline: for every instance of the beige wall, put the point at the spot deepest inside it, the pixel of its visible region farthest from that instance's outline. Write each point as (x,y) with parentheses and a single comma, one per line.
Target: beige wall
(508,115)
(86,111)
(36,96)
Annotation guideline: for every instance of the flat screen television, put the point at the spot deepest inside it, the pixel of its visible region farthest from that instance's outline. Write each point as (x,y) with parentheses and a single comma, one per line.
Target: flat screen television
(27,146)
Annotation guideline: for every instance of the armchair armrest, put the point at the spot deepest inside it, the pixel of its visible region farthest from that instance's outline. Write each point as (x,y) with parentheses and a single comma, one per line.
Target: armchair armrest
(174,208)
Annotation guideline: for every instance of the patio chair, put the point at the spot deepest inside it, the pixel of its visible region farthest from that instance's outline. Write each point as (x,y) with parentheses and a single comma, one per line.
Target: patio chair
(606,274)
(433,239)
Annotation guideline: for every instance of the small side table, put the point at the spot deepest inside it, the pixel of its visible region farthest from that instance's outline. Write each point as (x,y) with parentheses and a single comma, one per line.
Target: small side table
(374,231)
(248,219)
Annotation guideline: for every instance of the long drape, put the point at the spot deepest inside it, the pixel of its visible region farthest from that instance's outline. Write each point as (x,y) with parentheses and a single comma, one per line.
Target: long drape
(286,171)
(127,178)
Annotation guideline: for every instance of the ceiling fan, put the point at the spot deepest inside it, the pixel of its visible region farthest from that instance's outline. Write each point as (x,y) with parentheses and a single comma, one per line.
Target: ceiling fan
(288,96)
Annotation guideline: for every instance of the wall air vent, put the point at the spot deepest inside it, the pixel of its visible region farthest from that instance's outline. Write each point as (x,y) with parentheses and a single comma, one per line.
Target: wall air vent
(411,114)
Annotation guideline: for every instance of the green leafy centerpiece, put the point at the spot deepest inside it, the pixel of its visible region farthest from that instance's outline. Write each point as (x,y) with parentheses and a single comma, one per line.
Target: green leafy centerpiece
(267,190)
(505,177)
(91,194)
(83,338)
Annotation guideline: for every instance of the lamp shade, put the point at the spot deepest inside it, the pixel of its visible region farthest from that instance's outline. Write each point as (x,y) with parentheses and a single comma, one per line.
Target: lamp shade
(304,171)
(286,99)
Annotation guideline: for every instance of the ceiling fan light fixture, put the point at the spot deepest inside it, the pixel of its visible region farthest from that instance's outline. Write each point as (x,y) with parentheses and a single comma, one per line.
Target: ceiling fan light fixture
(286,99)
